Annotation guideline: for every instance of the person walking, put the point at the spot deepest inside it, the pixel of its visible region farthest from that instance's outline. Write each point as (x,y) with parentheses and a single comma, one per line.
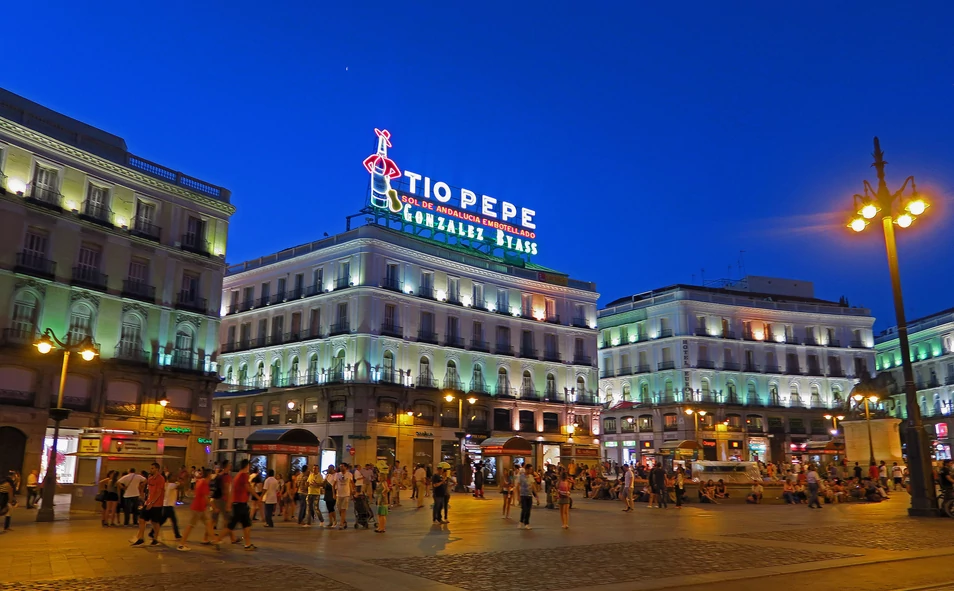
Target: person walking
(680,486)
(315,486)
(506,488)
(438,489)
(200,511)
(897,475)
(420,483)
(331,477)
(525,485)
(131,485)
(270,490)
(32,495)
(628,482)
(169,500)
(812,480)
(397,477)
(221,488)
(563,500)
(152,507)
(344,490)
(381,500)
(239,495)
(658,476)
(301,492)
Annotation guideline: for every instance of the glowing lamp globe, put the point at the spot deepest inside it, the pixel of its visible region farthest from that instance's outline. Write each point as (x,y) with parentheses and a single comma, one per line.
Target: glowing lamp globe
(917,206)
(857,224)
(87,354)
(869,211)
(905,220)
(44,346)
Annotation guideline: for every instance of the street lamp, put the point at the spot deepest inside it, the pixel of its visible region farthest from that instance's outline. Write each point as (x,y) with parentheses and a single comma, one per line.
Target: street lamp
(859,398)
(901,209)
(834,422)
(460,429)
(87,352)
(695,415)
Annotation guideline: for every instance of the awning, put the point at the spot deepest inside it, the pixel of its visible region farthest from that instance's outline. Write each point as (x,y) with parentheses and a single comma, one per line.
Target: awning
(832,447)
(685,444)
(505,446)
(287,440)
(121,456)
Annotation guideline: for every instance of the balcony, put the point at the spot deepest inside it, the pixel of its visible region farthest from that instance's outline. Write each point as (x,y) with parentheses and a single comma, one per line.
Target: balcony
(312,290)
(641,368)
(185,360)
(553,395)
(705,364)
(480,304)
(663,365)
(454,341)
(751,367)
(502,390)
(528,353)
(607,373)
(391,283)
(17,398)
(295,294)
(96,213)
(131,352)
(31,263)
(624,371)
(836,372)
(815,370)
(479,387)
(263,301)
(453,383)
(476,345)
(147,230)
(187,300)
(427,336)
(793,368)
(45,197)
(771,368)
(340,328)
(582,359)
(454,298)
(426,292)
(812,341)
(579,322)
(749,336)
(552,356)
(857,345)
(552,318)
(587,398)
(139,290)
(664,333)
(478,426)
(343,283)
(278,298)
(20,335)
(427,382)
(701,331)
(728,334)
(195,244)
(246,305)
(89,277)
(834,343)
(392,330)
(503,349)
(730,366)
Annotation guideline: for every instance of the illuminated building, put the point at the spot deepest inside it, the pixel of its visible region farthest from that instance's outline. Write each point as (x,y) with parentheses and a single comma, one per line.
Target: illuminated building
(99,242)
(932,353)
(762,358)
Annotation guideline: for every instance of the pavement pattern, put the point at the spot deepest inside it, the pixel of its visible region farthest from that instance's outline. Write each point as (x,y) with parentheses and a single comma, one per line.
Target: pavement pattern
(919,534)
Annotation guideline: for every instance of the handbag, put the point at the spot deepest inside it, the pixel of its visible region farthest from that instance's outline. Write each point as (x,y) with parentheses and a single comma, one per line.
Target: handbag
(100,496)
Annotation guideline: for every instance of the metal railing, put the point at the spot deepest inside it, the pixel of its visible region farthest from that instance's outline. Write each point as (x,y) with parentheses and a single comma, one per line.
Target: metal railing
(391,283)
(187,300)
(46,197)
(131,351)
(476,345)
(391,329)
(96,212)
(549,355)
(340,328)
(582,359)
(145,229)
(454,341)
(503,349)
(139,290)
(427,336)
(195,244)
(662,365)
(32,263)
(528,352)
(89,277)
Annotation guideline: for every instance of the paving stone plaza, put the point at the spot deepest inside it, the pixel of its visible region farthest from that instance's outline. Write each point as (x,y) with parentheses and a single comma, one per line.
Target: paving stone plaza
(728,546)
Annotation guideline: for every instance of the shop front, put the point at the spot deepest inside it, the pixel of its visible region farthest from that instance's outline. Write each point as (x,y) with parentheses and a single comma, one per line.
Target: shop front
(758,448)
(611,451)
(940,444)
(505,451)
(646,454)
(710,450)
(281,449)
(675,454)
(823,453)
(579,454)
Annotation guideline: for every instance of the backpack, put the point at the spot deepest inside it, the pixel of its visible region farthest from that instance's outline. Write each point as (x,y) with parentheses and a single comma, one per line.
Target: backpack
(215,488)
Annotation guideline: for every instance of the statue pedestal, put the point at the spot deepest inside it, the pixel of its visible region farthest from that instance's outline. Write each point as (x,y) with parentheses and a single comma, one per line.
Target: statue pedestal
(885,439)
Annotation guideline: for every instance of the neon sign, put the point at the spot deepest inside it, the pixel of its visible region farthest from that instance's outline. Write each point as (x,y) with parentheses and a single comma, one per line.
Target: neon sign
(436,206)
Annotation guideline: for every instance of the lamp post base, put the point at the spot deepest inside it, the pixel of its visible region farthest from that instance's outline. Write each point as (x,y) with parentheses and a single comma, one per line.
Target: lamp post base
(45,512)
(924,512)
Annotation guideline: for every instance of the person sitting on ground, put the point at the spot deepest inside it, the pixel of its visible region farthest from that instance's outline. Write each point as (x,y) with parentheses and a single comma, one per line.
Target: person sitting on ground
(838,491)
(871,492)
(801,493)
(641,495)
(720,491)
(706,492)
(788,493)
(755,497)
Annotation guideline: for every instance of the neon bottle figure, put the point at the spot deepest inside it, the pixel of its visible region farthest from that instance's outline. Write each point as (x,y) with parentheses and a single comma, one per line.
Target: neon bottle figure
(382,170)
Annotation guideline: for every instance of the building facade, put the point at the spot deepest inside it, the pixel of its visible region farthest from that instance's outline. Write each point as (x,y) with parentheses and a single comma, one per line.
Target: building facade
(932,353)
(375,340)
(97,242)
(762,359)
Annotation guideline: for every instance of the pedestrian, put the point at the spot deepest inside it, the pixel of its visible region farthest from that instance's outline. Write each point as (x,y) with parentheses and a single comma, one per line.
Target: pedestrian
(563,500)
(301,492)
(658,475)
(270,490)
(183,485)
(289,494)
(897,475)
(331,477)
(152,507)
(420,483)
(525,485)
(506,489)
(680,485)
(221,488)
(169,502)
(397,478)
(131,485)
(7,501)
(883,474)
(344,490)
(200,510)
(315,485)
(32,495)
(628,482)
(438,488)
(381,500)
(812,480)
(239,495)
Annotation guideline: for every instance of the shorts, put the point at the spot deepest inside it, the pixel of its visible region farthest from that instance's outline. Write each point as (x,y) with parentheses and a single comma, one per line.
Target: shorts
(383,510)
(111,496)
(240,516)
(199,516)
(330,504)
(342,503)
(154,515)
(897,480)
(627,493)
(564,501)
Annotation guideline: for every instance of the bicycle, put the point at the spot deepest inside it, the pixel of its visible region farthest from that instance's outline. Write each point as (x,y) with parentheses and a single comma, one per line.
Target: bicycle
(945,501)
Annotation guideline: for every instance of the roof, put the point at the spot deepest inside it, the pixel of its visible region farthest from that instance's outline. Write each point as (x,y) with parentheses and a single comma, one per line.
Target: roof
(290,435)
(736,292)
(505,446)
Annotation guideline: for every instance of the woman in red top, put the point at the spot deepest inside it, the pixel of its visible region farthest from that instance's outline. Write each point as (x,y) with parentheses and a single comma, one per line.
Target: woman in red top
(200,512)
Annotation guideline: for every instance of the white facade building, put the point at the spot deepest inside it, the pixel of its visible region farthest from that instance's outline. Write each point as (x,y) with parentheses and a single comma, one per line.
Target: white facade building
(764,367)
(358,338)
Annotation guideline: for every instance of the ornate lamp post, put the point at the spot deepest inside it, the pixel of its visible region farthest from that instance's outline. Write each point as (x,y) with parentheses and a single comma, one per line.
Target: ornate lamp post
(834,423)
(901,208)
(460,429)
(859,398)
(87,351)
(695,416)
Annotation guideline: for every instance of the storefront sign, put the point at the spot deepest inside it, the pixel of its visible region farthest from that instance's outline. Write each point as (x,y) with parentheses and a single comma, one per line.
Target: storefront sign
(941,429)
(170,429)
(648,444)
(205,441)
(90,445)
(424,434)
(708,443)
(437,206)
(359,437)
(587,452)
(630,443)
(134,446)
(282,448)
(610,444)
(735,444)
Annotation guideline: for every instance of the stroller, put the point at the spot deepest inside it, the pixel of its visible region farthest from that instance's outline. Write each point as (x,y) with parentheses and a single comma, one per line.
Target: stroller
(363,516)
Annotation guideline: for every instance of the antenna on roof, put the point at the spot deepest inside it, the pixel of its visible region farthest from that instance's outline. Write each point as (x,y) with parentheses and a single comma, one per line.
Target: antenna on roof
(741,263)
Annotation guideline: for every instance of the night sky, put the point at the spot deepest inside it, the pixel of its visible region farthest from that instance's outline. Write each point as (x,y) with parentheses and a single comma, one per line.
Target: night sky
(653,142)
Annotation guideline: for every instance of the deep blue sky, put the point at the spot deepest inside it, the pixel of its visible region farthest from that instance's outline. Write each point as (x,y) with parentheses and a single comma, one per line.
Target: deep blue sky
(652,141)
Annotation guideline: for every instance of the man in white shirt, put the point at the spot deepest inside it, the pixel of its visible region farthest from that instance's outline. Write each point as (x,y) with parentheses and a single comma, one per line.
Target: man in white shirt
(420,484)
(344,488)
(131,484)
(169,505)
(270,492)
(897,474)
(359,480)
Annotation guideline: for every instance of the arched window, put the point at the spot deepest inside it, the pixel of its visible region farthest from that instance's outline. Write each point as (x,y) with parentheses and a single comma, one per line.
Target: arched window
(228,375)
(313,368)
(451,379)
(731,393)
(25,313)
(773,395)
(477,382)
(81,322)
(260,375)
(293,372)
(705,388)
(815,401)
(503,383)
(526,385)
(338,367)
(130,338)
(793,398)
(626,392)
(643,392)
(551,386)
(937,403)
(667,391)
(183,356)
(580,386)
(243,375)
(751,394)
(923,405)
(276,373)
(836,397)
(387,370)
(424,377)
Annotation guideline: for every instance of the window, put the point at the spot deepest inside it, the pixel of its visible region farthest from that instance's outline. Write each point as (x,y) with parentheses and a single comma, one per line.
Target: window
(503,337)
(310,411)
(390,317)
(580,385)
(139,272)
(453,290)
(478,333)
(528,421)
(274,412)
(502,419)
(338,367)
(130,338)
(453,331)
(88,261)
(313,369)
(299,285)
(294,412)
(337,409)
(526,343)
(34,246)
(25,310)
(427,326)
(145,217)
(549,309)
(451,379)
(391,274)
(424,368)
(477,383)
(266,293)
(293,372)
(344,274)
(182,355)
(387,411)
(387,372)
(526,305)
(643,393)
(423,413)
(195,233)
(427,283)
(503,300)
(627,391)
(317,280)
(754,423)
(551,347)
(609,425)
(81,323)
(503,383)
(249,297)
(296,325)
(190,287)
(627,425)
(579,348)
(477,292)
(526,385)
(280,294)
(278,328)
(258,413)
(314,323)
(645,422)
(46,184)
(671,421)
(551,386)
(225,419)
